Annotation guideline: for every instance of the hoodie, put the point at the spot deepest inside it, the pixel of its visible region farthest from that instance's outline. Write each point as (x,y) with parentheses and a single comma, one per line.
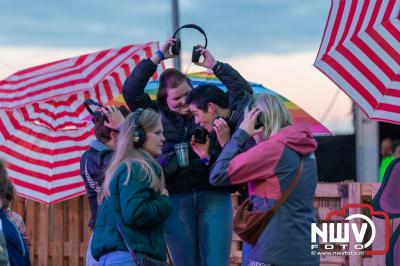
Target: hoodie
(268,168)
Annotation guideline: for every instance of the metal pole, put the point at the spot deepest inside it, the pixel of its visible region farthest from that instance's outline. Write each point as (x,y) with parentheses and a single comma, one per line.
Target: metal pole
(175,26)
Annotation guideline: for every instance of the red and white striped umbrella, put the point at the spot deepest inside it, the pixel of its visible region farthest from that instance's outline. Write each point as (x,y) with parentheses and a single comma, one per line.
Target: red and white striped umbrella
(42,131)
(360,52)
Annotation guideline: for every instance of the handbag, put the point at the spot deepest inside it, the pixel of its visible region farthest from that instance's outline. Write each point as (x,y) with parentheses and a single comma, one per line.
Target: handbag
(249,225)
(143,260)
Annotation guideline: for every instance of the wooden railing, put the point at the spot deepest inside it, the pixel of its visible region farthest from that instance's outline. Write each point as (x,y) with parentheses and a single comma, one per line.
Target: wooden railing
(59,233)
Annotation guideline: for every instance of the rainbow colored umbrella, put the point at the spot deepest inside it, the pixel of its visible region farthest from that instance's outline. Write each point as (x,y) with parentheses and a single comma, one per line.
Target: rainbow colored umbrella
(200,78)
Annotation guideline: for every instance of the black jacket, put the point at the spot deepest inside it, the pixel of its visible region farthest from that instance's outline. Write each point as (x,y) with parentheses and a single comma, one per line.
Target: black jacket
(92,169)
(180,129)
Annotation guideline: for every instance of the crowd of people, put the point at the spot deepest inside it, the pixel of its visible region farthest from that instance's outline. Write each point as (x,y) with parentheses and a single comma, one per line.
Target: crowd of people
(151,206)
(159,179)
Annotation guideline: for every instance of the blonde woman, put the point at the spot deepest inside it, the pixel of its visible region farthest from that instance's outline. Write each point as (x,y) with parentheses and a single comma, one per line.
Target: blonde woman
(269,169)
(133,194)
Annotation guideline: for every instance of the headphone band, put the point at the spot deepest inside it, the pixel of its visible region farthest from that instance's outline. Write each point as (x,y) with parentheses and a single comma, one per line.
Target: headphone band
(192,26)
(138,113)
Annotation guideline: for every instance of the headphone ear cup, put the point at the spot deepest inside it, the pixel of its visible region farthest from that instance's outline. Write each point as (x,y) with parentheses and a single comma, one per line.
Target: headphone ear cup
(139,137)
(195,54)
(176,47)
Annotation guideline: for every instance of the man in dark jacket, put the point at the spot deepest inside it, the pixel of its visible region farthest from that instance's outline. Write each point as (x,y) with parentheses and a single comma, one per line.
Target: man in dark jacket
(199,231)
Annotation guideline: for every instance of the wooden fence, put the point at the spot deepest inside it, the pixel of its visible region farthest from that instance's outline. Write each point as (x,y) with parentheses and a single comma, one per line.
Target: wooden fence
(59,233)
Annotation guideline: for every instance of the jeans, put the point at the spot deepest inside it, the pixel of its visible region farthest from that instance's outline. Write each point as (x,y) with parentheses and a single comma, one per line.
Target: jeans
(199,230)
(117,258)
(90,261)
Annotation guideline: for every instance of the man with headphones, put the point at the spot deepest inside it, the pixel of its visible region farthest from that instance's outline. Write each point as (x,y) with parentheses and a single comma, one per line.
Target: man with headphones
(199,230)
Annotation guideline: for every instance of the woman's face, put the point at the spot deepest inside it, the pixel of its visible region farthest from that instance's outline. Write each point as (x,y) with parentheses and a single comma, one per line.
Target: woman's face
(154,140)
(176,99)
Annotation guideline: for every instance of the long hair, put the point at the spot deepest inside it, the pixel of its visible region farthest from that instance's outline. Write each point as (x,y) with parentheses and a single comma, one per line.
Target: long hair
(274,114)
(125,153)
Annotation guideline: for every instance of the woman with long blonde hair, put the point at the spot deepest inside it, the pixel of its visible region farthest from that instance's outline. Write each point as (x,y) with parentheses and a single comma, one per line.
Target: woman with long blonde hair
(133,191)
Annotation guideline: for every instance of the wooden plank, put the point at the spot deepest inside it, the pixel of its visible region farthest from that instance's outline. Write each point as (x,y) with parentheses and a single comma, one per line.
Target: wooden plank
(354,193)
(73,231)
(43,228)
(327,191)
(30,226)
(57,243)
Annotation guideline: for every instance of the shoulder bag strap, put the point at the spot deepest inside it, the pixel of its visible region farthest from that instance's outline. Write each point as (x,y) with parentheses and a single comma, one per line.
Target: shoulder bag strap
(291,187)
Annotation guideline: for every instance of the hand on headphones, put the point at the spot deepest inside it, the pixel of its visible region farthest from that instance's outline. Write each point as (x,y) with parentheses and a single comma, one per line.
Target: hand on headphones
(165,50)
(115,117)
(222,131)
(249,122)
(209,60)
(202,150)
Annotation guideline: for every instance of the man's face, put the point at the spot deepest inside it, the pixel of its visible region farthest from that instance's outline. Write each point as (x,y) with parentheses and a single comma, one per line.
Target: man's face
(176,98)
(205,119)
(396,152)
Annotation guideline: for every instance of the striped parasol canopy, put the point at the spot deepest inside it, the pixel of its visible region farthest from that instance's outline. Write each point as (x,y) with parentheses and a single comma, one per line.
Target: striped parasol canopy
(200,78)
(42,131)
(360,52)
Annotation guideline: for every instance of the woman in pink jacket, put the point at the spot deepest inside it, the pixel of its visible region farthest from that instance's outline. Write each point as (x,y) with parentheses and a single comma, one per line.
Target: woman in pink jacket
(268,168)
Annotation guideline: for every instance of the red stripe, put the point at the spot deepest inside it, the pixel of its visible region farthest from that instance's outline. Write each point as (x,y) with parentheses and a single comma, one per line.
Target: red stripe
(84,136)
(117,81)
(350,79)
(372,56)
(367,73)
(46,191)
(42,176)
(107,88)
(336,24)
(29,159)
(70,196)
(389,108)
(75,70)
(27,118)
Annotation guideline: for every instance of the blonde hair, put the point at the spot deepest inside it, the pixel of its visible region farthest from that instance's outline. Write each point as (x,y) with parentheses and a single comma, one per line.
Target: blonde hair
(125,153)
(274,114)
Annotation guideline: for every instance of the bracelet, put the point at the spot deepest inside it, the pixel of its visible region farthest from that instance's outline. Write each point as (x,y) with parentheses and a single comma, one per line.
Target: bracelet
(206,160)
(160,54)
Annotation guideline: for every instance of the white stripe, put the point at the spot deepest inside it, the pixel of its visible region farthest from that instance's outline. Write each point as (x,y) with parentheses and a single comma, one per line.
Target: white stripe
(358,53)
(49,199)
(356,18)
(99,76)
(390,100)
(379,51)
(41,170)
(329,27)
(381,12)
(14,146)
(356,74)
(395,85)
(396,10)
(368,15)
(342,83)
(386,35)
(342,25)
(379,114)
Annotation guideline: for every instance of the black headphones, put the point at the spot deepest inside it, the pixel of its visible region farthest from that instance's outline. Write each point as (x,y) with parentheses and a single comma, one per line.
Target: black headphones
(259,124)
(95,114)
(139,135)
(176,47)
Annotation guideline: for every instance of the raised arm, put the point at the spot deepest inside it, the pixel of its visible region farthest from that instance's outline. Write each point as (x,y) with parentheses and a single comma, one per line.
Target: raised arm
(133,88)
(237,86)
